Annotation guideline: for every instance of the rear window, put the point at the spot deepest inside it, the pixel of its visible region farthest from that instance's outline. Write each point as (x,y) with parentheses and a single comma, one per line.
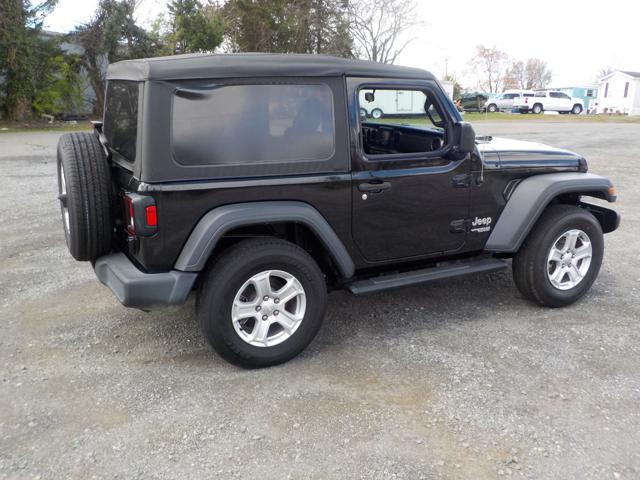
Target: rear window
(121,118)
(251,124)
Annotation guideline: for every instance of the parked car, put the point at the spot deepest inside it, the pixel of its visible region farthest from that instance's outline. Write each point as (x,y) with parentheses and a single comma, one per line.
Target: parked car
(252,181)
(473,102)
(505,100)
(549,100)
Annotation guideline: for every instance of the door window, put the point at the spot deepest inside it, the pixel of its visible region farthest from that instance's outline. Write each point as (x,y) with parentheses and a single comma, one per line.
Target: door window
(399,122)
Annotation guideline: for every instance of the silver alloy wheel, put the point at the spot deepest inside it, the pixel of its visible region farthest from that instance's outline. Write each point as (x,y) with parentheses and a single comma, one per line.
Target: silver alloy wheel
(268,308)
(376,113)
(569,259)
(63,200)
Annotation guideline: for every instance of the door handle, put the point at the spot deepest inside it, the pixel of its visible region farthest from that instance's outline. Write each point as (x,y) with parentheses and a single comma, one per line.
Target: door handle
(374,187)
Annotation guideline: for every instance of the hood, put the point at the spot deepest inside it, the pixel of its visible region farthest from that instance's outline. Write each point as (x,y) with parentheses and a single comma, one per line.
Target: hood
(509,153)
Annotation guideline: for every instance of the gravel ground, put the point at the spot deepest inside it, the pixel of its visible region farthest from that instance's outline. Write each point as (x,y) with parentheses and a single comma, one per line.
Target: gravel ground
(459,379)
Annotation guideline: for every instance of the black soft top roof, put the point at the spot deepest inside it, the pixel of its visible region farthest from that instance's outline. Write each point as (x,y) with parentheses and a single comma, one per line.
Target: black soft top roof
(237,65)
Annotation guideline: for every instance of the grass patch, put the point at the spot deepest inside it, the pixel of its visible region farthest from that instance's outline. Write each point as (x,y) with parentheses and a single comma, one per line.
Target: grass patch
(518,117)
(474,117)
(43,127)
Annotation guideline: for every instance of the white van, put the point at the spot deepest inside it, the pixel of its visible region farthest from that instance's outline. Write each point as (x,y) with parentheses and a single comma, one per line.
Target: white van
(504,101)
(391,102)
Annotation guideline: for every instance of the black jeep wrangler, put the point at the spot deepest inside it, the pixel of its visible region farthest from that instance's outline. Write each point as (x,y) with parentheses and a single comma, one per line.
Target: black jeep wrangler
(258,181)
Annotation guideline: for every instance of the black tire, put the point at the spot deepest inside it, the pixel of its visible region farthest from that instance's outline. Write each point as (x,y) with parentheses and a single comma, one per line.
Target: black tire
(537,109)
(377,113)
(225,277)
(89,195)
(531,262)
(492,108)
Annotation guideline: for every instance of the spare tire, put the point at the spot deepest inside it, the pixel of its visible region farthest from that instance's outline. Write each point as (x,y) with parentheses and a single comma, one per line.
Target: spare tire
(86,195)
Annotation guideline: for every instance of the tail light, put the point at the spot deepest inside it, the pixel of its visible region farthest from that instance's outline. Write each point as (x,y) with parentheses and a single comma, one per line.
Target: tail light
(526,99)
(140,215)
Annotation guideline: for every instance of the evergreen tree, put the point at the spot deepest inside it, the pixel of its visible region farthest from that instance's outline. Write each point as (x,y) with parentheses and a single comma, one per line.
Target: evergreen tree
(22,52)
(288,26)
(192,30)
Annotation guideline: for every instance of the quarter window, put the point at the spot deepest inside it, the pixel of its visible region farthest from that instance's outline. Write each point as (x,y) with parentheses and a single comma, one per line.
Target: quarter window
(121,118)
(250,124)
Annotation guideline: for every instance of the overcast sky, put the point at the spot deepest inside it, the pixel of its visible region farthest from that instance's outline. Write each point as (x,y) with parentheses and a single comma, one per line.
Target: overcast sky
(576,38)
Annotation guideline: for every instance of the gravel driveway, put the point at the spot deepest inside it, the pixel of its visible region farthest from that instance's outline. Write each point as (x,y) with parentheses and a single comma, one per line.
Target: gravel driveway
(460,379)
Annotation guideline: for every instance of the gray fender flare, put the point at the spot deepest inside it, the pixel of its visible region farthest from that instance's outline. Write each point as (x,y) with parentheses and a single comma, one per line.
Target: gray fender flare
(532,196)
(218,221)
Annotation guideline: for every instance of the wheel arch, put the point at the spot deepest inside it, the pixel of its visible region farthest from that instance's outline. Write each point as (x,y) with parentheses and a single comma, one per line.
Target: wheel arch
(534,194)
(221,221)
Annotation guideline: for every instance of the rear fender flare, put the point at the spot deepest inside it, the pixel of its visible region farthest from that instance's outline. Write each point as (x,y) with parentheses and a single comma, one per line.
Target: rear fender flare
(217,222)
(532,196)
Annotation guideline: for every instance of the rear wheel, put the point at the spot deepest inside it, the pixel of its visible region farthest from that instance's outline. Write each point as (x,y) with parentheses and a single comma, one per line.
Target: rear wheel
(577,109)
(492,108)
(86,195)
(561,257)
(537,108)
(262,302)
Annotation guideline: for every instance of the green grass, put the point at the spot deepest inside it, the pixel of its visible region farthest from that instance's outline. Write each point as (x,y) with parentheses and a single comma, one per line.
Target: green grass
(43,127)
(518,117)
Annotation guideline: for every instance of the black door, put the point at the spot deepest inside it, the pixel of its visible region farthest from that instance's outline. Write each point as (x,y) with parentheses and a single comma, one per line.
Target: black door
(409,197)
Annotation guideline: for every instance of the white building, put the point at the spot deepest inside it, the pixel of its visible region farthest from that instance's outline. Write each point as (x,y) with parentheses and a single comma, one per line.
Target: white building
(619,92)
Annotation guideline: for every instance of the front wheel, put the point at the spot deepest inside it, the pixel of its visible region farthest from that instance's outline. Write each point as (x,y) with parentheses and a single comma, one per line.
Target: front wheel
(262,302)
(561,257)
(377,113)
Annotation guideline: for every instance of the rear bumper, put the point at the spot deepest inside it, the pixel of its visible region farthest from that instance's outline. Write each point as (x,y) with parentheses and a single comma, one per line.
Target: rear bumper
(137,289)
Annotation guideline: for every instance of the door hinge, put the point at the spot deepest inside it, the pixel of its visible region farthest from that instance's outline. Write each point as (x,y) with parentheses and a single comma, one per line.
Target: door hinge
(459,226)
(462,180)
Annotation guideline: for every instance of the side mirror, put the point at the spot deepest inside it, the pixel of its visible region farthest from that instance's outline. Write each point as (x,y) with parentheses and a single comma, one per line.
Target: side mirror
(466,137)
(369,97)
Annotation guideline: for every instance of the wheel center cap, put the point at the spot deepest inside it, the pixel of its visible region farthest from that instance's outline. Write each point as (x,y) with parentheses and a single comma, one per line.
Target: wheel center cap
(267,307)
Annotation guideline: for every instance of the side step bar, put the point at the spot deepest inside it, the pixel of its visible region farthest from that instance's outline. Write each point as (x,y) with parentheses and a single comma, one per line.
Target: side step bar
(425,275)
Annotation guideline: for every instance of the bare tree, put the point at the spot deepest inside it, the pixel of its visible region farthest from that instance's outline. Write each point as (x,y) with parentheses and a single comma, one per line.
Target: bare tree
(515,76)
(527,75)
(604,71)
(381,29)
(537,74)
(489,64)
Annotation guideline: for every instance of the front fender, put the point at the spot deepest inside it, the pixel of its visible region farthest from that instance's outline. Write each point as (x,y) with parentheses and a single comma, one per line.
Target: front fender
(532,196)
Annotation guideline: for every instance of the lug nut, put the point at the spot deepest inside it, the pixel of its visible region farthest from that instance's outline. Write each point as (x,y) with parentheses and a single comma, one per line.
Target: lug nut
(276,312)
(277,300)
(264,317)
(265,298)
(258,308)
